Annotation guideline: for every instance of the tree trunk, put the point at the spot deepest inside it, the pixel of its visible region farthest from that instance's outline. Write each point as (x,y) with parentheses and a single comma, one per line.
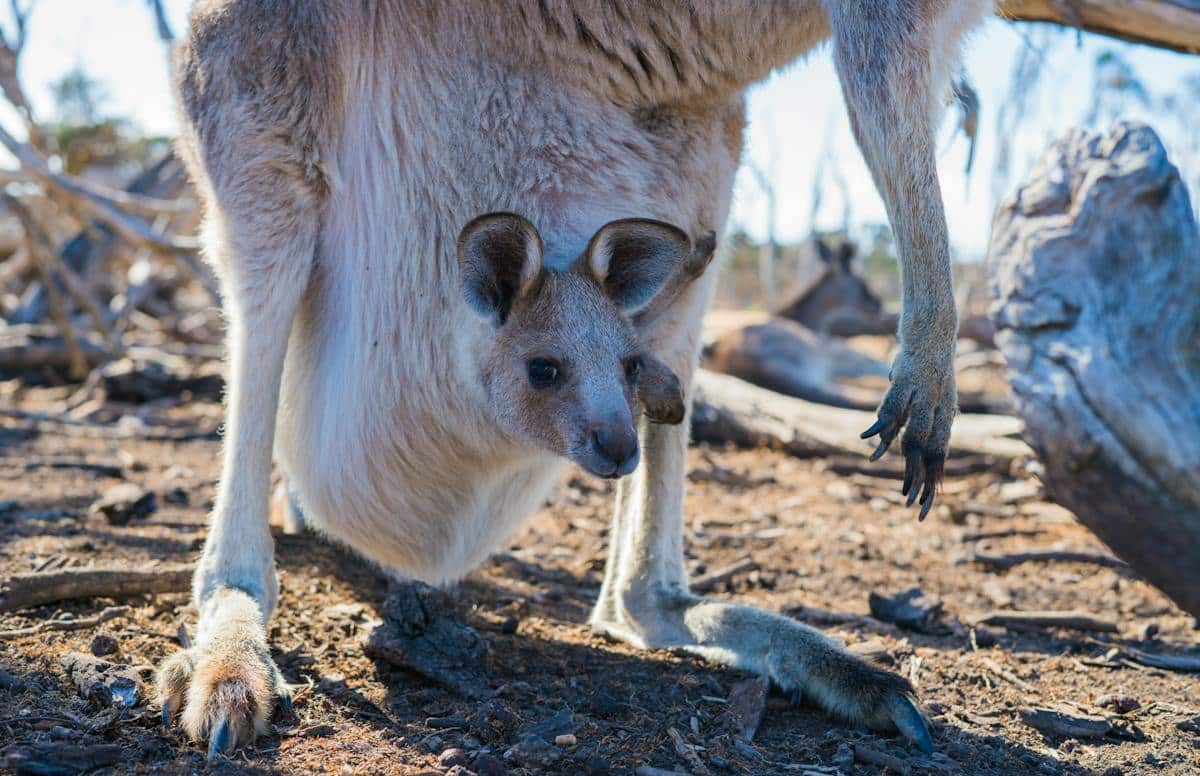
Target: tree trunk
(1169,24)
(1095,268)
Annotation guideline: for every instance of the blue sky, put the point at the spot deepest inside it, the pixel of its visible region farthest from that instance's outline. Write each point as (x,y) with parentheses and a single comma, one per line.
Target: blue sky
(793,115)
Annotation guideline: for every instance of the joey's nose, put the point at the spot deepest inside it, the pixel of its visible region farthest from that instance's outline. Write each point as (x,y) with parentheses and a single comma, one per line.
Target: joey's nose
(617,444)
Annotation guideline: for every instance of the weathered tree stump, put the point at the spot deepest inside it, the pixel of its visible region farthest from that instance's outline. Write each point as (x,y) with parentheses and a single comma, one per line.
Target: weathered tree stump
(1095,270)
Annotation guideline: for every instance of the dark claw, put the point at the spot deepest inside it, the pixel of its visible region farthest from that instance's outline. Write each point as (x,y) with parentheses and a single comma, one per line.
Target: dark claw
(926,505)
(912,466)
(911,724)
(167,713)
(875,428)
(879,451)
(285,701)
(221,738)
(797,696)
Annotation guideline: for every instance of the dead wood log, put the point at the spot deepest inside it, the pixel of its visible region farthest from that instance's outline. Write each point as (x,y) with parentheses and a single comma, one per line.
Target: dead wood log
(726,409)
(1069,620)
(1169,24)
(38,588)
(1095,268)
(1007,561)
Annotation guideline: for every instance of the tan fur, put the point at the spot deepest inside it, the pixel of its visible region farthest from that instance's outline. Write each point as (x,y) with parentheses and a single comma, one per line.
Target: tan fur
(340,146)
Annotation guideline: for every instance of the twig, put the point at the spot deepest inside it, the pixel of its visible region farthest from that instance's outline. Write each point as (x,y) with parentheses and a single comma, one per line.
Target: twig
(106,204)
(77,363)
(42,250)
(1004,562)
(102,431)
(869,756)
(978,536)
(1007,675)
(1159,660)
(1072,620)
(36,589)
(66,625)
(707,583)
(1062,724)
(688,753)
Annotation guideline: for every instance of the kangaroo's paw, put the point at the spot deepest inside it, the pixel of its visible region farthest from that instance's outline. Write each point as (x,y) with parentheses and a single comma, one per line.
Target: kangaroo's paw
(922,401)
(227,685)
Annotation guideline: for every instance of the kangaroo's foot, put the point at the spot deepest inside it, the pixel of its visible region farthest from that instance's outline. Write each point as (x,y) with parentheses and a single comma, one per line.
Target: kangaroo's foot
(226,683)
(800,660)
(922,400)
(421,633)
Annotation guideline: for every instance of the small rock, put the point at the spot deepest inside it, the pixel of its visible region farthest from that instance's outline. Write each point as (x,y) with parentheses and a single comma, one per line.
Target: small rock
(533,752)
(844,758)
(487,765)
(1122,704)
(123,503)
(432,742)
(561,723)
(910,609)
(1148,631)
(566,739)
(510,625)
(103,644)
(494,720)
(177,496)
(452,757)
(102,682)
(604,704)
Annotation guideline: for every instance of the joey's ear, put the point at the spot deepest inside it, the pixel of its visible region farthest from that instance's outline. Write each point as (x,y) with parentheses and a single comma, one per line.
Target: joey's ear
(846,256)
(824,253)
(659,392)
(499,257)
(632,258)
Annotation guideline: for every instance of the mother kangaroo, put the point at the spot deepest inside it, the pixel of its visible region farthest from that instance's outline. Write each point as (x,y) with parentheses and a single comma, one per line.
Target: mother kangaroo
(339,148)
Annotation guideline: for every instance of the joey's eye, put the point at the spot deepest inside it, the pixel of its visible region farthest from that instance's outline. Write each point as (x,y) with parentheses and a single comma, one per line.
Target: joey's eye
(543,372)
(633,368)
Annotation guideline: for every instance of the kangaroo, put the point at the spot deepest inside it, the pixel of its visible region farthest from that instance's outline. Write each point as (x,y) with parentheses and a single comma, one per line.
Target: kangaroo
(783,356)
(840,302)
(340,147)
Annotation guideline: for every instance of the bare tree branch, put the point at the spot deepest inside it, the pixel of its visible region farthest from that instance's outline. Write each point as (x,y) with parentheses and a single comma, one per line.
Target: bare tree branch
(1168,24)
(105,204)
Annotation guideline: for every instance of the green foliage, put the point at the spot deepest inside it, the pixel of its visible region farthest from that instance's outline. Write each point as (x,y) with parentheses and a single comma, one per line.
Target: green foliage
(84,134)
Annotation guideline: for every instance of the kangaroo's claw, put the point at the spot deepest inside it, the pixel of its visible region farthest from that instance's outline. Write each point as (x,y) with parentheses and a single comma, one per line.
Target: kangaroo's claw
(911,723)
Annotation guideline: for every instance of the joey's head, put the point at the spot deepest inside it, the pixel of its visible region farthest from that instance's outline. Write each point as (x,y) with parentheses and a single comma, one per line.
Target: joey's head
(562,364)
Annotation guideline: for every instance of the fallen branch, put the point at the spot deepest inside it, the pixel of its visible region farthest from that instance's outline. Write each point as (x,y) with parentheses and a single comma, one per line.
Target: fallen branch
(109,613)
(1059,723)
(1187,663)
(706,583)
(39,588)
(1007,675)
(1005,562)
(687,753)
(726,409)
(1071,620)
(870,756)
(102,207)
(57,757)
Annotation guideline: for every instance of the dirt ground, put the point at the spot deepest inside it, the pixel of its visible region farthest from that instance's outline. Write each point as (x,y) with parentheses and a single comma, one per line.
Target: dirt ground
(820,543)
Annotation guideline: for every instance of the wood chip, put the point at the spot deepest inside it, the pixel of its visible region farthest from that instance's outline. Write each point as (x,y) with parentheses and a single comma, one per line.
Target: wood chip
(688,753)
